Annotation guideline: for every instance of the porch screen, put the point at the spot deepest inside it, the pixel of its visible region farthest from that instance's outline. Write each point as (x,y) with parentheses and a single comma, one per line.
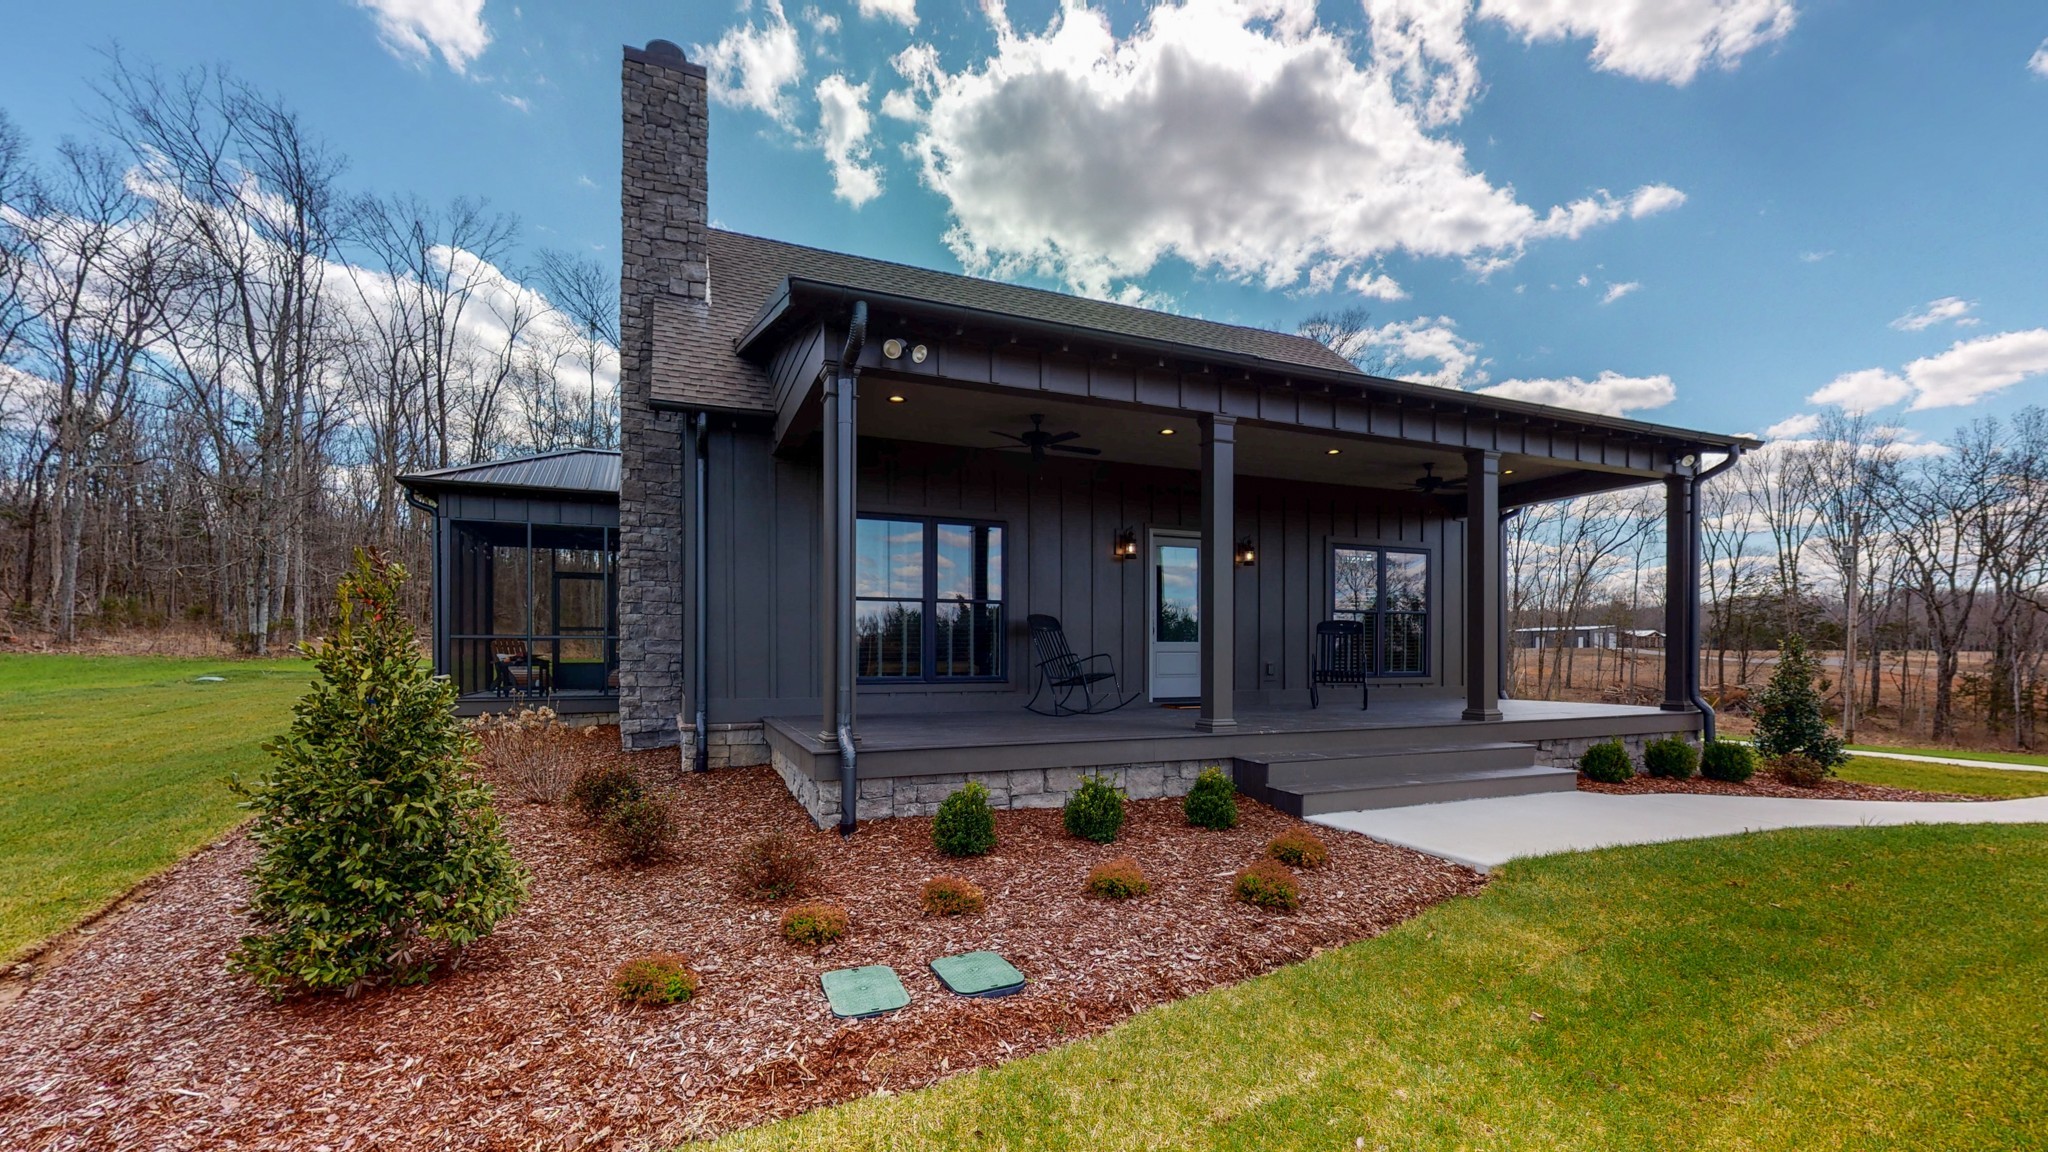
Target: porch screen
(1387,590)
(928,599)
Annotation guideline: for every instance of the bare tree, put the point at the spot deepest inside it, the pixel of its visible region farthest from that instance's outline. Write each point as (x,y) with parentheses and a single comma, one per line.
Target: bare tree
(587,295)
(1846,469)
(1348,332)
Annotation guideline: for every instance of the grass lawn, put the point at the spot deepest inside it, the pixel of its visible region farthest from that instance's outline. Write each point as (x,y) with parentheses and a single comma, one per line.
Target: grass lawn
(1960,754)
(1944,777)
(112,768)
(1822,989)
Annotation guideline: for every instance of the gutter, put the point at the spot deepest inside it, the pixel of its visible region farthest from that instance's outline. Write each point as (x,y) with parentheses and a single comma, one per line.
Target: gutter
(842,563)
(1692,604)
(701,593)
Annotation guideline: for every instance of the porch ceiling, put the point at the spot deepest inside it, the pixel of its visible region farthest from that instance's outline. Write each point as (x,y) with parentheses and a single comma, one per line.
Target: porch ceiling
(945,414)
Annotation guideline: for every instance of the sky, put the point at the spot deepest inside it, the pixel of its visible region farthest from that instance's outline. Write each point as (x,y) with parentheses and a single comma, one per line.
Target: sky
(1724,214)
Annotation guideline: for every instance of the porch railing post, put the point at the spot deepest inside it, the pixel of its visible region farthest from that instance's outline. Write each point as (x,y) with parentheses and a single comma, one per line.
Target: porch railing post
(1483,623)
(1218,579)
(1680,584)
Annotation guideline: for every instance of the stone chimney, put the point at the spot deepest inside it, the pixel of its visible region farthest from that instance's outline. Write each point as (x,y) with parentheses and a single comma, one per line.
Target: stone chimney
(664,280)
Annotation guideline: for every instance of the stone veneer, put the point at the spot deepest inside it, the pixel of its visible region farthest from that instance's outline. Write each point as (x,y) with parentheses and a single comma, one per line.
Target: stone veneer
(1566,753)
(663,258)
(726,745)
(1025,788)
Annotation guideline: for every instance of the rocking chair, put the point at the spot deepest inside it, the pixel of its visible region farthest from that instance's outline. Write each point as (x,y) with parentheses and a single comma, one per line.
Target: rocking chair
(1341,658)
(1065,673)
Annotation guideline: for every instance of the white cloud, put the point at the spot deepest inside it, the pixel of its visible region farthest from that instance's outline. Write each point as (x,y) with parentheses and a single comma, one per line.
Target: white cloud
(843,126)
(2038,62)
(822,22)
(1610,393)
(1410,344)
(1947,309)
(416,29)
(519,102)
(1668,40)
(1376,286)
(1792,427)
(1237,135)
(1816,255)
(754,64)
(904,12)
(1864,391)
(1970,370)
(1617,291)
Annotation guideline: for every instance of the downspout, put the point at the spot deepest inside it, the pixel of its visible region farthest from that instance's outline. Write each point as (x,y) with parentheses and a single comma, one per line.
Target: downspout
(842,565)
(701,548)
(1692,600)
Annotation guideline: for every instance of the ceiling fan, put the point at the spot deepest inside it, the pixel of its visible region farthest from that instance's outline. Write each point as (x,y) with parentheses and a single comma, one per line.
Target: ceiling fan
(1429,482)
(1039,441)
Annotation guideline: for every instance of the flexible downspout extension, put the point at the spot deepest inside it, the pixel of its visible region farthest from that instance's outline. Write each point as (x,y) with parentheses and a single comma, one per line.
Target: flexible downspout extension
(700,545)
(1692,604)
(842,567)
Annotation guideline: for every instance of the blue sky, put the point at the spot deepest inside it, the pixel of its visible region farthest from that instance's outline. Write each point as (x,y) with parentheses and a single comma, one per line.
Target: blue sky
(1727,214)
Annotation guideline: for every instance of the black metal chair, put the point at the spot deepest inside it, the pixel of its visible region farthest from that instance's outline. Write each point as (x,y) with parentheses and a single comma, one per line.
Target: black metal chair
(1342,657)
(1065,673)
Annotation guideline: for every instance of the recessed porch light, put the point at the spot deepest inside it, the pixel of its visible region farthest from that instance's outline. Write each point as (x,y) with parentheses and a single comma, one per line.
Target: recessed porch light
(893,399)
(1166,431)
(1507,471)
(1333,451)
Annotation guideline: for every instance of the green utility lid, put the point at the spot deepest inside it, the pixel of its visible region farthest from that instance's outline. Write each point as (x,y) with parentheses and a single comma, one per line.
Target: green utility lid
(978,974)
(857,993)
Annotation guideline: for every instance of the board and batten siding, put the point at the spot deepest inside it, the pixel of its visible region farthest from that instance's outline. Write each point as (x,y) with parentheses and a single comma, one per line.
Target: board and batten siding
(1059,521)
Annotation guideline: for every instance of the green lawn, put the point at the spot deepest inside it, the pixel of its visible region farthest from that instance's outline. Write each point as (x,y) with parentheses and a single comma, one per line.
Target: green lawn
(1944,777)
(1837,989)
(112,768)
(2038,761)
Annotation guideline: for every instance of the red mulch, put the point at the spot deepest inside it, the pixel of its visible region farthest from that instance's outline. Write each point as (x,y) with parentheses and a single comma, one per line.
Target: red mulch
(1767,784)
(140,1039)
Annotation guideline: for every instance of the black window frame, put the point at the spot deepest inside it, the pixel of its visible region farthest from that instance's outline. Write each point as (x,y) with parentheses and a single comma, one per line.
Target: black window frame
(1380,613)
(930,601)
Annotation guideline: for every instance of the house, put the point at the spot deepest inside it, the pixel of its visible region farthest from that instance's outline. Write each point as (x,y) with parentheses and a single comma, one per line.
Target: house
(847,487)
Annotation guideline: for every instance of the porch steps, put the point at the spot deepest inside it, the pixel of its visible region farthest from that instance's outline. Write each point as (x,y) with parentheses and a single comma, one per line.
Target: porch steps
(1315,783)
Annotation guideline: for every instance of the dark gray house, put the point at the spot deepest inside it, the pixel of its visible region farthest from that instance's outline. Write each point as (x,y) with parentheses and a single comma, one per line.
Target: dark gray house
(863,508)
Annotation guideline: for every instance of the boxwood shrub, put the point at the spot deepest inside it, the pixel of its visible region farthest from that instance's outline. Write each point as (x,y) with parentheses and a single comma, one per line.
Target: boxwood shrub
(1212,802)
(964,825)
(1095,811)
(1607,763)
(1727,760)
(1673,757)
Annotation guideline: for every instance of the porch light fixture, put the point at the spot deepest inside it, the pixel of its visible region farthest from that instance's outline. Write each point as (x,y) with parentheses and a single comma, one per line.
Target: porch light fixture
(894,398)
(892,348)
(1166,431)
(1247,556)
(1332,451)
(1126,546)
(918,352)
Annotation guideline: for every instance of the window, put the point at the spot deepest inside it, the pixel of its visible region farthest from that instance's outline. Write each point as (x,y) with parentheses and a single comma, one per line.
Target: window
(1386,589)
(928,599)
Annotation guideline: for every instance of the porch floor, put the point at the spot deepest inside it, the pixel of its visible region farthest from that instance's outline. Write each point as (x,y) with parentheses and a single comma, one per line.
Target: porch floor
(1009,739)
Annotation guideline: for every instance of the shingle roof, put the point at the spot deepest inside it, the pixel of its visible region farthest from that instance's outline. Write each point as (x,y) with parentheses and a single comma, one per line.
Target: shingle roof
(577,471)
(694,361)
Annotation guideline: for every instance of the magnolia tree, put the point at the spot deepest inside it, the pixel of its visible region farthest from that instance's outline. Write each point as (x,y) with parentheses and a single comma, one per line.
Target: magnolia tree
(381,856)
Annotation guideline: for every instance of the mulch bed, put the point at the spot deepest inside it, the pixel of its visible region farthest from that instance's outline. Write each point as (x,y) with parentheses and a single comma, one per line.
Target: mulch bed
(140,1039)
(1766,784)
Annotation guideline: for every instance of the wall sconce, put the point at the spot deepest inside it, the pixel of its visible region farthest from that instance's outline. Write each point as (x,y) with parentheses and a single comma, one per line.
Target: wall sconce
(1247,556)
(1126,546)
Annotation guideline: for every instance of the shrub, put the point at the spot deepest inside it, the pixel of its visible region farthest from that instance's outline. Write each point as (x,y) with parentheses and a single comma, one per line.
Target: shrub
(1673,757)
(814,925)
(1607,763)
(1298,848)
(601,787)
(1268,884)
(1095,811)
(1727,760)
(533,751)
(1800,771)
(378,850)
(663,978)
(639,831)
(1789,719)
(951,896)
(964,825)
(1118,879)
(1212,802)
(774,867)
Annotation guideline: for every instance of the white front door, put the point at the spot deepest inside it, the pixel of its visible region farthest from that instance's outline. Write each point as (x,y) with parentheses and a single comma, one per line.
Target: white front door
(1176,627)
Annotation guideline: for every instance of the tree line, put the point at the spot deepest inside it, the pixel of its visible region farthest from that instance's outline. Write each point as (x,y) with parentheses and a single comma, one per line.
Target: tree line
(217,357)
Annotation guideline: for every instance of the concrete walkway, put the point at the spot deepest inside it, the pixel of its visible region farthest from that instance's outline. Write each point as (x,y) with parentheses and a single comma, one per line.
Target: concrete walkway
(1950,760)
(1484,834)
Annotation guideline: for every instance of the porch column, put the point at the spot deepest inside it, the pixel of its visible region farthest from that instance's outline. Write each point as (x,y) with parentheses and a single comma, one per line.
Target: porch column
(1483,625)
(1681,584)
(829,606)
(1219,585)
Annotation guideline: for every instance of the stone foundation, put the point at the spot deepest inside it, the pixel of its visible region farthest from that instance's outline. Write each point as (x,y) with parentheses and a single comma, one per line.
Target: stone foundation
(1025,788)
(726,745)
(1566,753)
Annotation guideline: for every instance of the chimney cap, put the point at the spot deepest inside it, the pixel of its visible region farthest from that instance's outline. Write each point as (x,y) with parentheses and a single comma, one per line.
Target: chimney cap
(665,51)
